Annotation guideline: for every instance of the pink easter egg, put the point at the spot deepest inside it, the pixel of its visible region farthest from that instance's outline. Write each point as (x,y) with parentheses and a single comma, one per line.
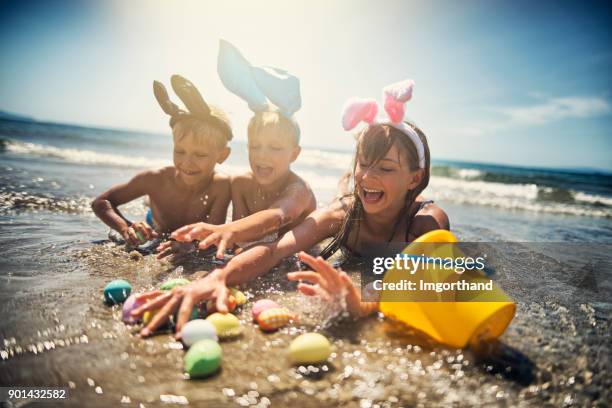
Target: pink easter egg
(261,305)
(130,304)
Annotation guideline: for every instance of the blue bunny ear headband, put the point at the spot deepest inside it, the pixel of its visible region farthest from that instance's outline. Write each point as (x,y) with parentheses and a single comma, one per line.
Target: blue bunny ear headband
(263,88)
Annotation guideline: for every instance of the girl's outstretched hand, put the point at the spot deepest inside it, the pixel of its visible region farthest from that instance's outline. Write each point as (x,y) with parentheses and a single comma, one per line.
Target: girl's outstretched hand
(208,234)
(330,284)
(182,300)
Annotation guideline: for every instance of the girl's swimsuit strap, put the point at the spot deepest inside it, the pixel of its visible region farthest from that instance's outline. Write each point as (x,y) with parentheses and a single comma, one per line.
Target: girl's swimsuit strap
(422,205)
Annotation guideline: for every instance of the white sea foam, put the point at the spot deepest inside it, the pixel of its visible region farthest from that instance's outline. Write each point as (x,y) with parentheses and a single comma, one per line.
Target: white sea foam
(84,156)
(329,160)
(512,197)
(464,189)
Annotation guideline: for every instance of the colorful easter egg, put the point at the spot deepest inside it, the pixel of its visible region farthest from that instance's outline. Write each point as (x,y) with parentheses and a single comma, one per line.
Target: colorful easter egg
(274,318)
(240,297)
(309,348)
(196,330)
(117,292)
(211,306)
(227,325)
(148,316)
(173,283)
(262,305)
(130,304)
(203,358)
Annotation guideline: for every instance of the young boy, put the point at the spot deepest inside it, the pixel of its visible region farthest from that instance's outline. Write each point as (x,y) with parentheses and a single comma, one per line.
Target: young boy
(267,201)
(190,190)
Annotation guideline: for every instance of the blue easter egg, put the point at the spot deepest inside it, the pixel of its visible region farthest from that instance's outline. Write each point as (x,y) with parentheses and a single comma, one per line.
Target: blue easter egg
(117,292)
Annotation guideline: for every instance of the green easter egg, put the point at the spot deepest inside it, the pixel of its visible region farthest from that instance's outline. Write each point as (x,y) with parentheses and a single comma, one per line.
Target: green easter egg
(309,348)
(203,358)
(173,283)
(117,292)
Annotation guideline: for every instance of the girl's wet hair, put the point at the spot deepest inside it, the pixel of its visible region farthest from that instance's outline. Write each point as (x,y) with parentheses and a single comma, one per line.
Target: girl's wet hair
(373,143)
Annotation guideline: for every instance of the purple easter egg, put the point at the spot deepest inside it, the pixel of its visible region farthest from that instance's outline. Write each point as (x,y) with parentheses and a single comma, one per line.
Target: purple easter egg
(130,304)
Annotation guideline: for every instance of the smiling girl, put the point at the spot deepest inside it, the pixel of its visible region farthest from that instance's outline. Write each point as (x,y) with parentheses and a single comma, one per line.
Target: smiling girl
(391,169)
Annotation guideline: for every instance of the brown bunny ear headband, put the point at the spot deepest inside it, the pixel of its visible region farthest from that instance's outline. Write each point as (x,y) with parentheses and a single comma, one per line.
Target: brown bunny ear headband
(191,97)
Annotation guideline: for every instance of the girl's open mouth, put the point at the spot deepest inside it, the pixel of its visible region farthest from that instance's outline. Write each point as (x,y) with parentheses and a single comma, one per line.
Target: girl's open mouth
(371,196)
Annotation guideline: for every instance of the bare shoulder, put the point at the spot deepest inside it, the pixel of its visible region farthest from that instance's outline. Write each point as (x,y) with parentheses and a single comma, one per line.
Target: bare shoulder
(221,178)
(155,176)
(297,185)
(221,182)
(429,218)
(242,181)
(340,206)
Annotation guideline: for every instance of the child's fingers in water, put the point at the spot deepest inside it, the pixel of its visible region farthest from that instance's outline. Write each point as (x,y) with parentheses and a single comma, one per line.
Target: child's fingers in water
(148,295)
(184,313)
(309,276)
(132,237)
(307,289)
(222,246)
(161,317)
(328,272)
(222,293)
(152,304)
(208,241)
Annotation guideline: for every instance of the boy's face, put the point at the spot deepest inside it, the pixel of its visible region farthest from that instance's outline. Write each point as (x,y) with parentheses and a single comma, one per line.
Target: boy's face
(270,155)
(383,186)
(195,157)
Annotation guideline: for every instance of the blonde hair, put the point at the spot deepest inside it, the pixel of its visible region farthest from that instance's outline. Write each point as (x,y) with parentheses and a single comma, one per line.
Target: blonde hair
(218,127)
(274,119)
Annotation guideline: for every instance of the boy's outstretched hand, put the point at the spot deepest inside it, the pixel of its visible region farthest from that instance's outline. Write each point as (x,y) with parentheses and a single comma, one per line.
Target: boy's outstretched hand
(330,284)
(183,299)
(208,234)
(138,233)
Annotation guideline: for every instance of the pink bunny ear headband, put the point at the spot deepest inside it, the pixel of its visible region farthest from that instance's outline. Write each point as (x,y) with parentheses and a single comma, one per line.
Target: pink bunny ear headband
(395,96)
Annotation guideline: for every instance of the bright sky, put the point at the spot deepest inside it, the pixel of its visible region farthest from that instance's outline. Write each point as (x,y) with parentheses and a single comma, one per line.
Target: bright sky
(525,83)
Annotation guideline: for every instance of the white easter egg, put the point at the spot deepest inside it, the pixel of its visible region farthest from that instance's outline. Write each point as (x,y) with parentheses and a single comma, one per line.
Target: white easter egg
(196,330)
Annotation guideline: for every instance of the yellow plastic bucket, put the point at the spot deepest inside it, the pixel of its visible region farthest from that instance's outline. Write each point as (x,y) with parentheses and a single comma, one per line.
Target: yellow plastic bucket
(450,322)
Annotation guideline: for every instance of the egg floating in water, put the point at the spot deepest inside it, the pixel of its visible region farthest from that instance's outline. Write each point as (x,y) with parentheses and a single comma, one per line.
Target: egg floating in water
(196,330)
(274,318)
(117,292)
(130,304)
(262,305)
(309,348)
(203,359)
(227,325)
(240,297)
(173,283)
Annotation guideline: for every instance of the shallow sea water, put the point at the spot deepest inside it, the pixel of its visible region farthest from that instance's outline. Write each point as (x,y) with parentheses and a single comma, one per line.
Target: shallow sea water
(55,261)
(56,331)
